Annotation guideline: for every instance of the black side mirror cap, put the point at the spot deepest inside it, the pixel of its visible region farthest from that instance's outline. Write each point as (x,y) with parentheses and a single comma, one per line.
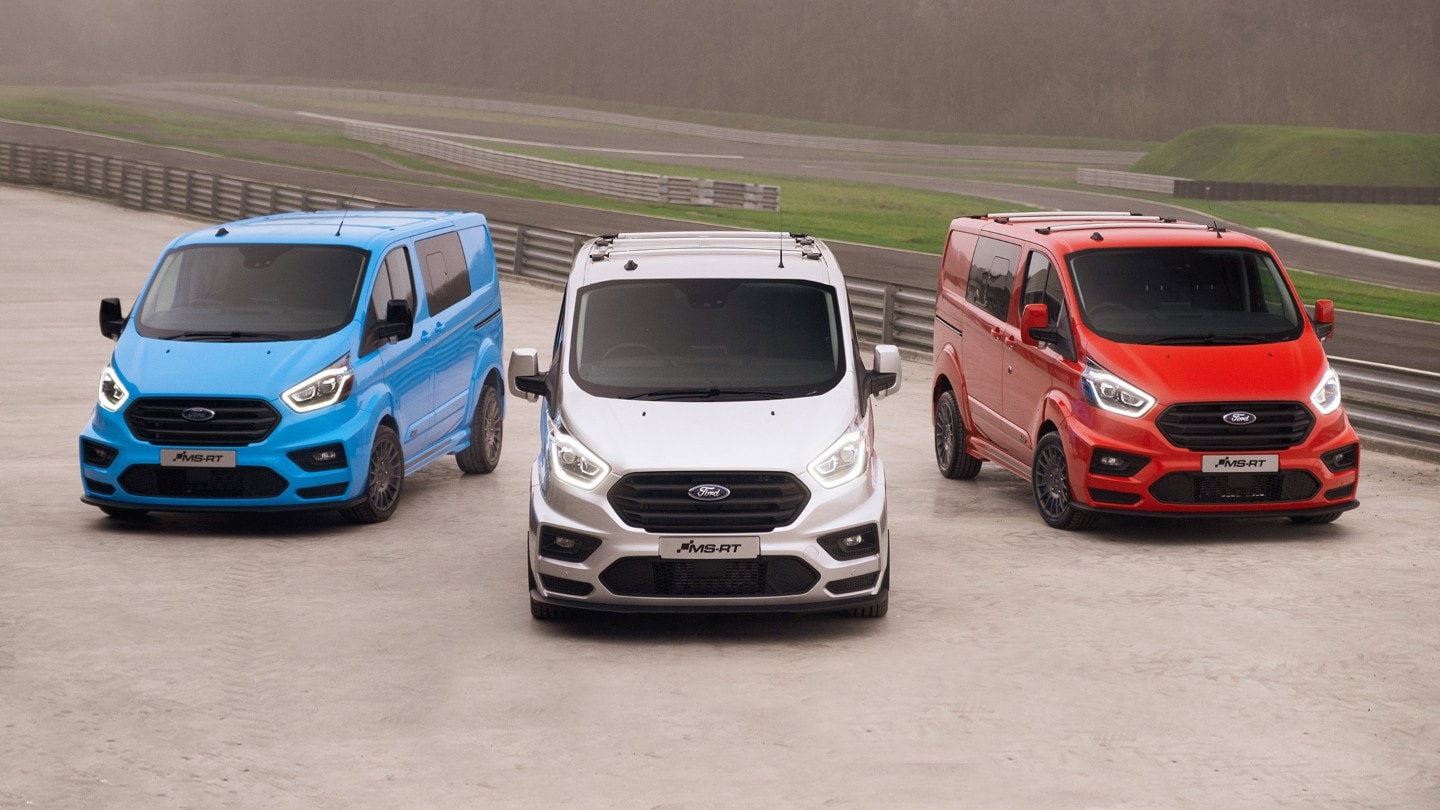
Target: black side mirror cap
(399,320)
(536,384)
(112,322)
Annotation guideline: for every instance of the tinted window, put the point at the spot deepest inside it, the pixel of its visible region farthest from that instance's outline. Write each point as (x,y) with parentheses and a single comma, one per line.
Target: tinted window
(705,339)
(1184,296)
(992,276)
(447,278)
(393,281)
(253,292)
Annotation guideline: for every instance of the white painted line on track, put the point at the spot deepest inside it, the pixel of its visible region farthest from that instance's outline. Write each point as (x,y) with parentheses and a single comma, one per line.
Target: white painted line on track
(512,141)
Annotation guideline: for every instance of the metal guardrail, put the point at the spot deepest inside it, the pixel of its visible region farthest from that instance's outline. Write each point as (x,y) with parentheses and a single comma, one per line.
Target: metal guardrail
(646,187)
(1395,410)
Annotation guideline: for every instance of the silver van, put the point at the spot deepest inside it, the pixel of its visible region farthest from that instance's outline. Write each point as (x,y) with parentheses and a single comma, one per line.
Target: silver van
(707,441)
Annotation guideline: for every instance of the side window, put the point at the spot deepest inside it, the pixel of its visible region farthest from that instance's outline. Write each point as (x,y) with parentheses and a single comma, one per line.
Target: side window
(392,281)
(992,277)
(1042,286)
(447,278)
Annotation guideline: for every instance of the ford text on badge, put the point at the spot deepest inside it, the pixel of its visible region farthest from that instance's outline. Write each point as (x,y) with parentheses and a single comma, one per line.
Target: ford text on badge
(709,548)
(197,458)
(1240,463)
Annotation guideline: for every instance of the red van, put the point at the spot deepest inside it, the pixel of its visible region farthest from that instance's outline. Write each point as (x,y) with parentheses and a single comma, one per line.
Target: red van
(1132,364)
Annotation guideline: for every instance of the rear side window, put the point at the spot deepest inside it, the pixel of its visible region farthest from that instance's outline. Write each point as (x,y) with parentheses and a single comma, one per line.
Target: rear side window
(447,278)
(992,276)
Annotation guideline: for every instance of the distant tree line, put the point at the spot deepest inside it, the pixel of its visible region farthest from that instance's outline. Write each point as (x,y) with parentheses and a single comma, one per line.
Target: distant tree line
(1113,68)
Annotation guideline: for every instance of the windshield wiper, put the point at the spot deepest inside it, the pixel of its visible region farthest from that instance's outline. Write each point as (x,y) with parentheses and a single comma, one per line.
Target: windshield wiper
(229,336)
(1205,340)
(705,394)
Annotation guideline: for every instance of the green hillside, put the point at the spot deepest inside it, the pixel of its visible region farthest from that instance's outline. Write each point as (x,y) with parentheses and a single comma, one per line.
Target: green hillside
(1266,154)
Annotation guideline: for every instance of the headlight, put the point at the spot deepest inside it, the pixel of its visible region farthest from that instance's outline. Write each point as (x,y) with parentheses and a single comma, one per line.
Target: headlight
(1327,393)
(845,460)
(571,461)
(1105,390)
(113,393)
(321,390)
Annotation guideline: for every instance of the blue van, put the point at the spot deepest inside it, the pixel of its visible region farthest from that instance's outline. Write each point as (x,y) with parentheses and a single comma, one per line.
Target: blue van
(300,361)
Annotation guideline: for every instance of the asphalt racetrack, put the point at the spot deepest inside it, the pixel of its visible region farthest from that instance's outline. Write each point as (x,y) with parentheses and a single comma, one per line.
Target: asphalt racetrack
(295,661)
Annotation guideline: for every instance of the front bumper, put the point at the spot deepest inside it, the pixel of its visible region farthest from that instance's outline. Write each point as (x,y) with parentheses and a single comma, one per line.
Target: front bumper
(625,572)
(277,473)
(1316,477)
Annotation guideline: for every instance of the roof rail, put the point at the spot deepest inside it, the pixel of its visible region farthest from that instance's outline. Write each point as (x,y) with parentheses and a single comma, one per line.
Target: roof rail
(1061,216)
(601,247)
(1097,227)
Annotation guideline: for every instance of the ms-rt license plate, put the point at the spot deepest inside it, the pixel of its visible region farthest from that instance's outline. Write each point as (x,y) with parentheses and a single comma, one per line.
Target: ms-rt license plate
(197,458)
(709,548)
(1240,464)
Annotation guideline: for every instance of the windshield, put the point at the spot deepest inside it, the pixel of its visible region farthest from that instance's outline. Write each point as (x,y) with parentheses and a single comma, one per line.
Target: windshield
(707,339)
(1184,296)
(252,292)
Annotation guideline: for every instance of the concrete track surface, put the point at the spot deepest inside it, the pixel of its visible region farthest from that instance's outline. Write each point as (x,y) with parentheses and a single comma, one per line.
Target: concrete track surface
(295,661)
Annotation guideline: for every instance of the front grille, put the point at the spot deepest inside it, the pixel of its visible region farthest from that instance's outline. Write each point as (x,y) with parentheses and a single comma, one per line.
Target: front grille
(660,502)
(237,422)
(155,481)
(763,576)
(1201,426)
(1235,488)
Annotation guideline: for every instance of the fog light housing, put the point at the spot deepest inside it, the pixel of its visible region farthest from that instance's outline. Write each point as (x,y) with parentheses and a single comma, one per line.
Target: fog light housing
(852,544)
(1345,458)
(96,454)
(567,546)
(324,457)
(1115,463)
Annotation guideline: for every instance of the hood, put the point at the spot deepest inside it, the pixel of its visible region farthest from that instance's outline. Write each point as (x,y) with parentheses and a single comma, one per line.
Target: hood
(153,367)
(1288,371)
(772,434)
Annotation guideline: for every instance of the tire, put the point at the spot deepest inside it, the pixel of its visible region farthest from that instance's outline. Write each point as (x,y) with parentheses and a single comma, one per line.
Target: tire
(122,513)
(1316,520)
(384,480)
(950,454)
(487,434)
(1050,482)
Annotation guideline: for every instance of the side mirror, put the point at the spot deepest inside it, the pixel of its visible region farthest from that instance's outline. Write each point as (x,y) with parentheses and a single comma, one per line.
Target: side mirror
(112,323)
(884,378)
(523,377)
(399,321)
(1033,320)
(1324,319)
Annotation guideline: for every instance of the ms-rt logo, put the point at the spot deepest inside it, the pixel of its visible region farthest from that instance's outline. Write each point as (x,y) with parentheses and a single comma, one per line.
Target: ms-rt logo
(692,547)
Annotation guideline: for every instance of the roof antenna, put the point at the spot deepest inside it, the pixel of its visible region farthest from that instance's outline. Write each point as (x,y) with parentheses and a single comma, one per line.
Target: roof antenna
(781,220)
(345,210)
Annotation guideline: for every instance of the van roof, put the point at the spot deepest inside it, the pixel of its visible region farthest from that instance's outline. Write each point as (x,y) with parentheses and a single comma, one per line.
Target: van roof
(1070,231)
(700,254)
(365,228)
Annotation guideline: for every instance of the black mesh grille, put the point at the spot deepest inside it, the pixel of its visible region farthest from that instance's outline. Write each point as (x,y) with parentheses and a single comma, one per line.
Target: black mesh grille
(763,576)
(661,502)
(1237,488)
(1202,425)
(236,422)
(202,482)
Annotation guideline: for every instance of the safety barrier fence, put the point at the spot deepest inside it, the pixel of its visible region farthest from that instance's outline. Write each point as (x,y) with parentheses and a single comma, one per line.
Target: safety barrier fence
(1396,410)
(645,187)
(1228,190)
